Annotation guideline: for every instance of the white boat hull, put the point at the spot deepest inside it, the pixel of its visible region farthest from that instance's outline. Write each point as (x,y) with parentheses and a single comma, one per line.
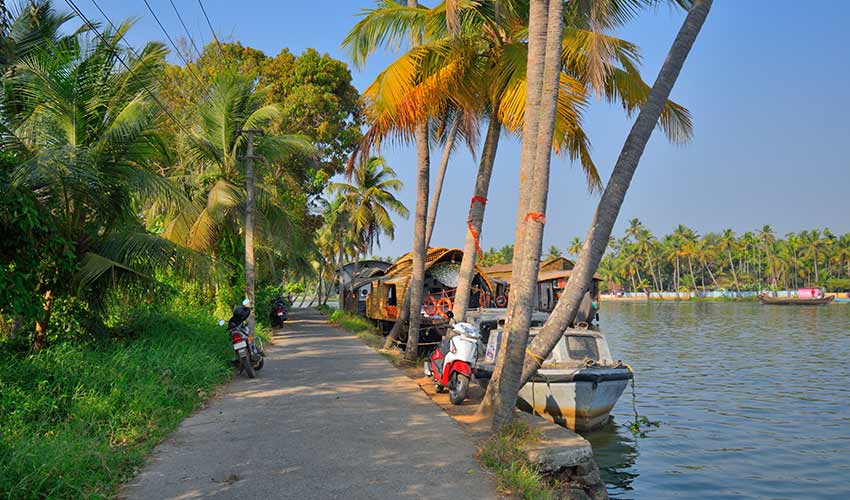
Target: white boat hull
(580,406)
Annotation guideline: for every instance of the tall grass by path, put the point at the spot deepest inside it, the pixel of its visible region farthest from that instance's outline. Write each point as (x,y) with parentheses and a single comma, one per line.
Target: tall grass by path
(77,420)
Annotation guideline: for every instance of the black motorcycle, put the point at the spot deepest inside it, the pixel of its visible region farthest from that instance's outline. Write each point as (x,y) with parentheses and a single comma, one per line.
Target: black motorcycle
(248,349)
(279,313)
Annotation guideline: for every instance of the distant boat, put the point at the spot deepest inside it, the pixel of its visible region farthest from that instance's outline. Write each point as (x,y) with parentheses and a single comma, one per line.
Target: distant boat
(794,301)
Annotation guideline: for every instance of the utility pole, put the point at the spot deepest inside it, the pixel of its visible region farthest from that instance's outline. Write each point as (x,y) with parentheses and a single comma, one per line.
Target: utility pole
(249,226)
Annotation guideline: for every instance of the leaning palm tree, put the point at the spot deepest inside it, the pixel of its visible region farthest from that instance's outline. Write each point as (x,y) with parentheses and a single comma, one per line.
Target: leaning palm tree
(612,198)
(480,67)
(86,128)
(370,199)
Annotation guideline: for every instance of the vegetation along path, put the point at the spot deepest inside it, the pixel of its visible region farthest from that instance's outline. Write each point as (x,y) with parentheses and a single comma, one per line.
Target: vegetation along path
(326,418)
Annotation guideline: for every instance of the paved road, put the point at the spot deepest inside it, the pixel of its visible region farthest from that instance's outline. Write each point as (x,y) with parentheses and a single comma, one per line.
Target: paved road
(326,418)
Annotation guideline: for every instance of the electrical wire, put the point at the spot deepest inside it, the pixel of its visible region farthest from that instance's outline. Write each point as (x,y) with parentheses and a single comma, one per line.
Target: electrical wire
(220,49)
(123,63)
(171,40)
(188,33)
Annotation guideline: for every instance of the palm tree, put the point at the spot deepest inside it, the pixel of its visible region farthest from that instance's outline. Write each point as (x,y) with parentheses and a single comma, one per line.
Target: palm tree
(221,205)
(575,247)
(553,252)
(727,243)
(86,129)
(812,245)
(614,194)
(481,68)
(369,199)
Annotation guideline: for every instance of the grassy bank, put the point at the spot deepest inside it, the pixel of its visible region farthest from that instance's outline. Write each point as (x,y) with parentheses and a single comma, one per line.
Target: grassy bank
(504,455)
(77,420)
(361,327)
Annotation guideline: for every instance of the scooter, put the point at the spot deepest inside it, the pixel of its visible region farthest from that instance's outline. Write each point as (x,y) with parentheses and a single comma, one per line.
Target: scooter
(278,313)
(453,362)
(248,349)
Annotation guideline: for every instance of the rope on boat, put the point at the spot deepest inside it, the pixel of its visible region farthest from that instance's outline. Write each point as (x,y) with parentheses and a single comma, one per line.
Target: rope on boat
(639,421)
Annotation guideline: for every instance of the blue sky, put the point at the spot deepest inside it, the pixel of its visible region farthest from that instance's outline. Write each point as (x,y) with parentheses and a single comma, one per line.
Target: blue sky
(767,84)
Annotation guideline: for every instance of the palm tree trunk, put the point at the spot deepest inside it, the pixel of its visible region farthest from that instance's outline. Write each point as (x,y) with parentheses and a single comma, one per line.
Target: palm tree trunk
(41,324)
(693,276)
(531,118)
(441,175)
(249,231)
(505,384)
(732,266)
(475,219)
(815,260)
(612,198)
(417,276)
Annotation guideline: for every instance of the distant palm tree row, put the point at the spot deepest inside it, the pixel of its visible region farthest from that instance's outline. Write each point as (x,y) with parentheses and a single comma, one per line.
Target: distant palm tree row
(685,261)
(755,260)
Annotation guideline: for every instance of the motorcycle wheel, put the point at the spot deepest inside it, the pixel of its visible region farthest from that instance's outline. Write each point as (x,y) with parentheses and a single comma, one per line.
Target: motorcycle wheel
(260,363)
(458,387)
(249,369)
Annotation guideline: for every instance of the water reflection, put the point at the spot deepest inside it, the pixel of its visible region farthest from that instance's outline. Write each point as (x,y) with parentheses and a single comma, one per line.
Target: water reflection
(616,451)
(752,400)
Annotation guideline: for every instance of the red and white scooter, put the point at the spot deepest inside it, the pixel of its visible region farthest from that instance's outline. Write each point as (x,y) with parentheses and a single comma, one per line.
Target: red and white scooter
(453,362)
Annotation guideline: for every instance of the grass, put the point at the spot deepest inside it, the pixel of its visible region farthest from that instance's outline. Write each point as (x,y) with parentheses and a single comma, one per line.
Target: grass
(364,329)
(361,327)
(505,456)
(77,420)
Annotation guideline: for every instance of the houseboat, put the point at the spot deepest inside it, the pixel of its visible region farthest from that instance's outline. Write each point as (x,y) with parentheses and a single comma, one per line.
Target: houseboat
(442,268)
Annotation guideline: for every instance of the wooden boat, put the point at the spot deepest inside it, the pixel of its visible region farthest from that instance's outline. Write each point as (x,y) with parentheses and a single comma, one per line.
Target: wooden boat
(794,301)
(577,386)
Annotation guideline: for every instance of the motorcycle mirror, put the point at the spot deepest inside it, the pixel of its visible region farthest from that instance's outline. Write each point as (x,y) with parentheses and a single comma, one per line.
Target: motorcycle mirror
(246,302)
(221,322)
(450,314)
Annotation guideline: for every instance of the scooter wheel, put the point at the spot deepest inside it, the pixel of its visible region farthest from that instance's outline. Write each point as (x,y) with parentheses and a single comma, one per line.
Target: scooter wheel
(458,388)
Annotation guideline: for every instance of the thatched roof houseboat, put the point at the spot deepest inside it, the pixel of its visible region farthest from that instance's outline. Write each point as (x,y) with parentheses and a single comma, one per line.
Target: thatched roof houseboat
(442,267)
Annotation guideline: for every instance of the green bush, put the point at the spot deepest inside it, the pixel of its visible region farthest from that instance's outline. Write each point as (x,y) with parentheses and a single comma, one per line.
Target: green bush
(838,285)
(77,419)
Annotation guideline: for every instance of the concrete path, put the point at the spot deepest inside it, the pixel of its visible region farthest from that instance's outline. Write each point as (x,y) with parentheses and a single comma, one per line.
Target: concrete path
(326,417)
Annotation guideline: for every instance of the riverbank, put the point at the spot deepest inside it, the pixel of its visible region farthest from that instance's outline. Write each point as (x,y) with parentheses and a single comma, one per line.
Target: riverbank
(76,420)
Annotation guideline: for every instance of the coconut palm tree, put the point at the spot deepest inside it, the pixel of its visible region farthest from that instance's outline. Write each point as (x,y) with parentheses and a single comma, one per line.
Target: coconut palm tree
(575,246)
(370,199)
(612,198)
(86,129)
(213,172)
(481,68)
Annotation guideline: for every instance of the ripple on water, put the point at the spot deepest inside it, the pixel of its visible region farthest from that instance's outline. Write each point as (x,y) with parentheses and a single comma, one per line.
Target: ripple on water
(753,401)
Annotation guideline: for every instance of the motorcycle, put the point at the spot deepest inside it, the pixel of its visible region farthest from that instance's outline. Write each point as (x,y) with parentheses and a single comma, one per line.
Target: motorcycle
(278,314)
(248,349)
(453,362)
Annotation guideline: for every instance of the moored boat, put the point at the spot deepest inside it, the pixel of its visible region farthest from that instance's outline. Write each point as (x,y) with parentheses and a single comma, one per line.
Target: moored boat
(578,384)
(794,301)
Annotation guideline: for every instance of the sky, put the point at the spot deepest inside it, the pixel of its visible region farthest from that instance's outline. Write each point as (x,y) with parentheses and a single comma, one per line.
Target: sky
(766,82)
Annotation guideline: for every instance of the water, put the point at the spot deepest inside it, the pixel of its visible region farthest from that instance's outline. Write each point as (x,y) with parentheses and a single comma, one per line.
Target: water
(753,401)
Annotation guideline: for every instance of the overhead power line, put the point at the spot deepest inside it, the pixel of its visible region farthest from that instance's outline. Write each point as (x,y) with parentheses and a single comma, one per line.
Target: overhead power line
(188,33)
(220,49)
(171,41)
(123,63)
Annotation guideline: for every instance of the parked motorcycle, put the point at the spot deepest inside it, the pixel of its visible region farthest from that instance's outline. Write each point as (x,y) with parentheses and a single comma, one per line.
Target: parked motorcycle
(279,313)
(248,349)
(453,362)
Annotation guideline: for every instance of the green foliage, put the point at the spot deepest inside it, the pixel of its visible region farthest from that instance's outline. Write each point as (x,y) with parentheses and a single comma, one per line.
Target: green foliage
(755,260)
(838,284)
(505,456)
(76,420)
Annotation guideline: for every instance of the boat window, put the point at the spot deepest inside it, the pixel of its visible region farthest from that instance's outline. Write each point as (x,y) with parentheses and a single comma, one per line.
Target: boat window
(581,347)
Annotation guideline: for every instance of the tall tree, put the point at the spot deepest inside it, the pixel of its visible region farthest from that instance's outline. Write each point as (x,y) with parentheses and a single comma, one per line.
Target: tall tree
(615,191)
(85,128)
(369,199)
